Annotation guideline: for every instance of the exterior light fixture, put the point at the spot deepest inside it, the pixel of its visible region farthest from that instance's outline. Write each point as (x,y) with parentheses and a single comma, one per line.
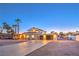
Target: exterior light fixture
(32,36)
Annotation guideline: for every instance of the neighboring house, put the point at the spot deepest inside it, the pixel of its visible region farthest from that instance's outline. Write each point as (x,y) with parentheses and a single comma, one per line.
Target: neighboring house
(71,37)
(54,35)
(6,36)
(77,37)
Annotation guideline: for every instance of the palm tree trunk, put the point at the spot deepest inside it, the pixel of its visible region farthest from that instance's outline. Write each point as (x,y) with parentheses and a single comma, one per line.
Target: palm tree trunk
(15,29)
(18,28)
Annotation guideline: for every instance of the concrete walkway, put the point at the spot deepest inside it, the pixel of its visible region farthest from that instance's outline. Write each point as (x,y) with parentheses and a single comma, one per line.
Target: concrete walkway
(58,48)
(21,49)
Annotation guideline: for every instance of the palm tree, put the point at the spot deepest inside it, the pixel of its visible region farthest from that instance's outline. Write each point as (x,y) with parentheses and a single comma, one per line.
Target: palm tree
(14,27)
(17,24)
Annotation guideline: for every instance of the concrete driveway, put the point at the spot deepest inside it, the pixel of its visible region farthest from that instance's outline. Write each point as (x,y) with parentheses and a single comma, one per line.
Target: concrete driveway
(58,48)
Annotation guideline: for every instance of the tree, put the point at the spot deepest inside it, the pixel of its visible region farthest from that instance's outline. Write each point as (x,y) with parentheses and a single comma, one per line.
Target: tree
(0,29)
(61,33)
(8,29)
(14,27)
(17,24)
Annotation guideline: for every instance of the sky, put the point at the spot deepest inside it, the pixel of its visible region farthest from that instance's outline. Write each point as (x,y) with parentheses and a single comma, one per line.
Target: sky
(49,17)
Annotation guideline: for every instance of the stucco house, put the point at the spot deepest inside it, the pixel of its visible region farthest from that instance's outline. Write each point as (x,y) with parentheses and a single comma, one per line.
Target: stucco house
(34,33)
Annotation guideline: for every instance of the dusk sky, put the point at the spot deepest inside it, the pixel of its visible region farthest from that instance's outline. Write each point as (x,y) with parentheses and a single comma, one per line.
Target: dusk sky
(49,17)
